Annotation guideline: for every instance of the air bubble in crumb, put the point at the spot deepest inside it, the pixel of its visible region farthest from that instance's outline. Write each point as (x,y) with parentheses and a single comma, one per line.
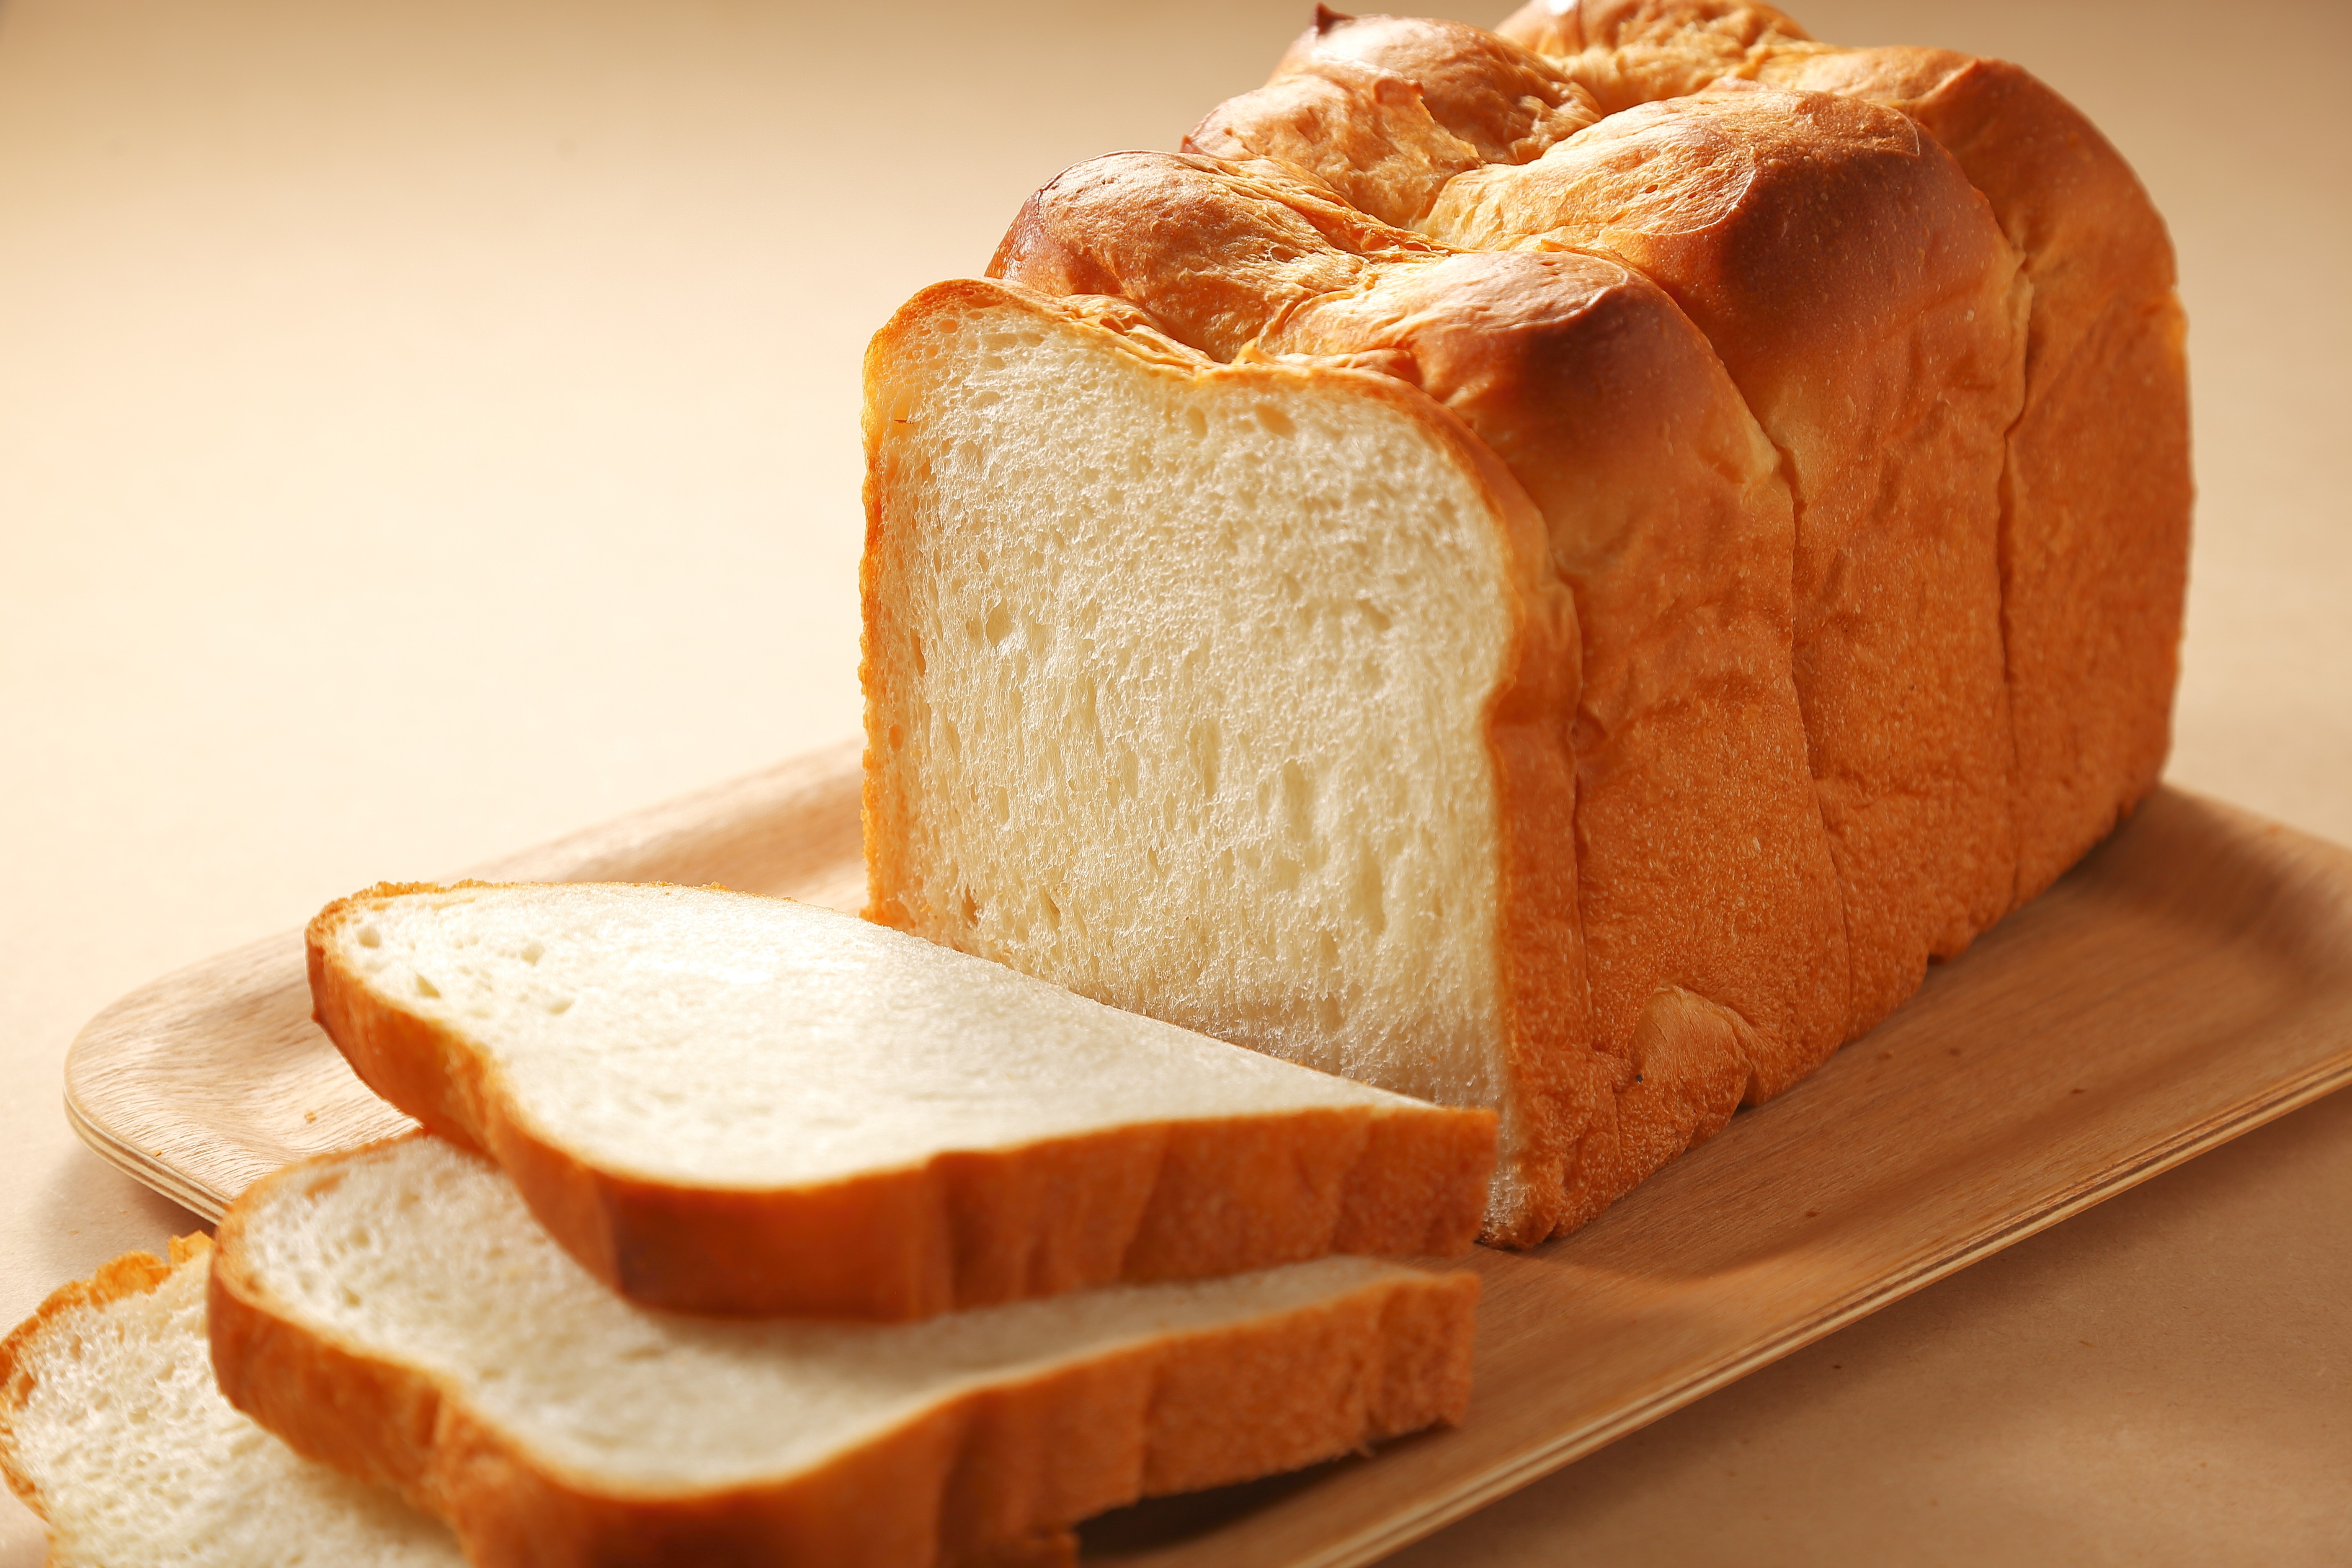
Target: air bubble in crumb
(371,937)
(534,952)
(426,987)
(560,1005)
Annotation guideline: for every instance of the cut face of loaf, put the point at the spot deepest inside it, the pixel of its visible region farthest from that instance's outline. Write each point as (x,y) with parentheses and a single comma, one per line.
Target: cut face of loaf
(111,1429)
(1227,694)
(735,1104)
(398,1313)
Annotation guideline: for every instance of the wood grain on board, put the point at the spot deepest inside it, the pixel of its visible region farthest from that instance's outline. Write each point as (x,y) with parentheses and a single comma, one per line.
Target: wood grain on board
(2190,981)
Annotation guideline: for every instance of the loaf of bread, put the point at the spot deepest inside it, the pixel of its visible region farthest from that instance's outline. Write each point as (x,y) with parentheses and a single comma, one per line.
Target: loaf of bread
(112,1431)
(1556,577)
(725,1103)
(397,1313)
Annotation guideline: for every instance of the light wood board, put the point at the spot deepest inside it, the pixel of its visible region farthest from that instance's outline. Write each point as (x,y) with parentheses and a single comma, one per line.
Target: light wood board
(2190,981)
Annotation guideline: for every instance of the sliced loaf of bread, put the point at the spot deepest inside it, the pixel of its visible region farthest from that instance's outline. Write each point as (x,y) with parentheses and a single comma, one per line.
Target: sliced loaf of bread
(396,1313)
(111,1429)
(1849,396)
(742,1105)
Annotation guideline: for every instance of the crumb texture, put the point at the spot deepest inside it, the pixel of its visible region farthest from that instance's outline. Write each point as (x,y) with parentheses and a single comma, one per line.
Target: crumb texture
(1186,712)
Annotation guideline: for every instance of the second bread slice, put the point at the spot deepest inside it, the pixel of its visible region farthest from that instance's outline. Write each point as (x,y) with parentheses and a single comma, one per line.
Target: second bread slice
(394,1313)
(742,1105)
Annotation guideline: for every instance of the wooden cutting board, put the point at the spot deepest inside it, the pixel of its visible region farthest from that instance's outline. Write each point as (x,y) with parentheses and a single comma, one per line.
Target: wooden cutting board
(2191,980)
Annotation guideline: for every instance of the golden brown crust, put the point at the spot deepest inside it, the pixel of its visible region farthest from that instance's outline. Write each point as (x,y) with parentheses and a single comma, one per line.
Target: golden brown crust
(981,1476)
(1279,241)
(133,1274)
(1626,52)
(1860,297)
(1141,1201)
(2097,491)
(1507,103)
(1387,109)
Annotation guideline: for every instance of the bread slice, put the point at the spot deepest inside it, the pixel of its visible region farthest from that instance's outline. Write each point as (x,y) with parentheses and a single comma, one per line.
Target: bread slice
(396,1313)
(111,1429)
(744,1105)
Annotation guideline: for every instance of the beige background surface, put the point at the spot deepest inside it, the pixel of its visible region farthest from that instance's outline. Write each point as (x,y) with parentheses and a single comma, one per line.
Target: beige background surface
(428,428)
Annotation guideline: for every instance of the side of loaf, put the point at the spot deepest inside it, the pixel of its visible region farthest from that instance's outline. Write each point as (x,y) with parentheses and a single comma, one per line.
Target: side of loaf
(397,1313)
(734,1104)
(2095,484)
(1174,694)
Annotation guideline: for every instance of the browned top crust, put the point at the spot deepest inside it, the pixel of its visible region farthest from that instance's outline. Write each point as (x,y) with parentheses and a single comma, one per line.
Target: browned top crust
(1388,109)
(1637,51)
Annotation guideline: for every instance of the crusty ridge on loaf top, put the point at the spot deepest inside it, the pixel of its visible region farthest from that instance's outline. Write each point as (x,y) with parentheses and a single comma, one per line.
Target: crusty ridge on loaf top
(1868,328)
(397,1313)
(725,1103)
